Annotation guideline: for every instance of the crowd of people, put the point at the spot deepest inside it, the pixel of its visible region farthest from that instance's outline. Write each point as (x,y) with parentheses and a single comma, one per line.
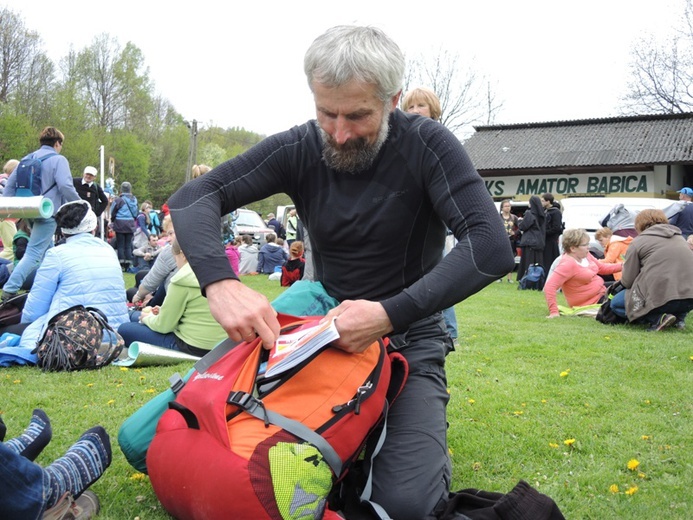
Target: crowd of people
(188,295)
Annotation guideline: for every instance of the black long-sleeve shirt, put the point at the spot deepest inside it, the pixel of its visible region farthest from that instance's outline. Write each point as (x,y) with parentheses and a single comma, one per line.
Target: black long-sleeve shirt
(378,234)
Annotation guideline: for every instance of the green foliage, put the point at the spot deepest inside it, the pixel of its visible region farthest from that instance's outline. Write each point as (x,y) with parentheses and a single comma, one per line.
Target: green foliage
(103,96)
(624,395)
(131,163)
(17,137)
(213,155)
(168,165)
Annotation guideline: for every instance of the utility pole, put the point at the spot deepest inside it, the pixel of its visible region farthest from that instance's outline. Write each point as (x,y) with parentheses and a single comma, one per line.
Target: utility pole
(192,153)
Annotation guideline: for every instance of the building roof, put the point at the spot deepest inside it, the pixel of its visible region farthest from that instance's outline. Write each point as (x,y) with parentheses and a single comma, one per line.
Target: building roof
(588,143)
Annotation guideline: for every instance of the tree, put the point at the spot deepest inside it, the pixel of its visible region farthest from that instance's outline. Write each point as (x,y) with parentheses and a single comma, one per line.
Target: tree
(115,85)
(466,97)
(662,72)
(17,47)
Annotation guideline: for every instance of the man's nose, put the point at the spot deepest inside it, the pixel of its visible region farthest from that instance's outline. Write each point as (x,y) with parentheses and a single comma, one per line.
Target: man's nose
(342,130)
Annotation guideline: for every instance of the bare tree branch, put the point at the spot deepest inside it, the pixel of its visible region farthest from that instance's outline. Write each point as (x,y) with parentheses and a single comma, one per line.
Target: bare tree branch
(662,72)
(466,97)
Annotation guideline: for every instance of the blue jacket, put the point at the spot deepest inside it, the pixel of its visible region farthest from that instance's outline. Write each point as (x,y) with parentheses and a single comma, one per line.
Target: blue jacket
(270,256)
(684,220)
(83,271)
(56,179)
(127,211)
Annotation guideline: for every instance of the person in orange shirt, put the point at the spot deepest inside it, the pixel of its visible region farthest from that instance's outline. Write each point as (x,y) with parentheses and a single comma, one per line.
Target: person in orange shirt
(577,274)
(615,247)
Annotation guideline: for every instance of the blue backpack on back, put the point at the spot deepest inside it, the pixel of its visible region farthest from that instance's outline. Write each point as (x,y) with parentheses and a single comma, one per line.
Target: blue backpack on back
(534,278)
(28,176)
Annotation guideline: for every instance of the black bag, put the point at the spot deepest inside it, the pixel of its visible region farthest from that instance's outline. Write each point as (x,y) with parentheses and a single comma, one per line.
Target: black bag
(605,314)
(11,310)
(78,338)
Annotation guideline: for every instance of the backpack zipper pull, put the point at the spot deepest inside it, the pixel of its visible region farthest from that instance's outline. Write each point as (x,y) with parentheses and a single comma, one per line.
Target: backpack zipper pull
(360,394)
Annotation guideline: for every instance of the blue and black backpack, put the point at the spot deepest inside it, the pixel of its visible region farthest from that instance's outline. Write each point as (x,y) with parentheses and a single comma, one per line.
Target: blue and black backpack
(533,279)
(28,176)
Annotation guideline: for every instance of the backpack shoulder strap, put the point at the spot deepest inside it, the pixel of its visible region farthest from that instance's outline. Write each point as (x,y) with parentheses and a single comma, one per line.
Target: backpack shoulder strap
(43,159)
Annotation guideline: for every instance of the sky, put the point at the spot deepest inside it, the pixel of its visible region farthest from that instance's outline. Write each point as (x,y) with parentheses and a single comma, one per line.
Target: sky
(240,64)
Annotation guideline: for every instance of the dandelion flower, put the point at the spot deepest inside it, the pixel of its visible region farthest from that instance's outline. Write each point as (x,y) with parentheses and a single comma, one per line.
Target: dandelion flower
(518,412)
(646,437)
(633,464)
(641,475)
(89,385)
(565,373)
(17,381)
(124,369)
(137,476)
(476,466)
(569,442)
(471,401)
(613,488)
(553,445)
(111,402)
(631,490)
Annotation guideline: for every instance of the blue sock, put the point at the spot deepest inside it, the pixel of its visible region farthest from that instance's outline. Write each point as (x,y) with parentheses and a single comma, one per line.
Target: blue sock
(80,467)
(36,436)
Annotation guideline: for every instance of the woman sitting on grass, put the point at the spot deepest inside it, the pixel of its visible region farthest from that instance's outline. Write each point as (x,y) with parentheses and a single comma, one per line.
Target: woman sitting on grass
(82,271)
(577,274)
(183,322)
(657,275)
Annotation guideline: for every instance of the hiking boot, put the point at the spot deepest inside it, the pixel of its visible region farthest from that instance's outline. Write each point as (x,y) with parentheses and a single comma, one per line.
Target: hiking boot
(664,321)
(86,506)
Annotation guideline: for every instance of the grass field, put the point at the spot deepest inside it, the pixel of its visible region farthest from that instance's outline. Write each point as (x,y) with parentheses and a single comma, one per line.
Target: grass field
(597,417)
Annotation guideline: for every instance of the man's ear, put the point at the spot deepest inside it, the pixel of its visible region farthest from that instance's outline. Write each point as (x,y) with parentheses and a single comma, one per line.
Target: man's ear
(395,100)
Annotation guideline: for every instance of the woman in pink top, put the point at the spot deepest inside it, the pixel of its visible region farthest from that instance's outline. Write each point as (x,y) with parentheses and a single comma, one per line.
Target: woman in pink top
(577,274)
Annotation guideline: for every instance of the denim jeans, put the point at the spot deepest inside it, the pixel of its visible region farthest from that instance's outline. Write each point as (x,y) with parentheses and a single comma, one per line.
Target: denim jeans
(450,321)
(679,308)
(40,240)
(135,331)
(21,482)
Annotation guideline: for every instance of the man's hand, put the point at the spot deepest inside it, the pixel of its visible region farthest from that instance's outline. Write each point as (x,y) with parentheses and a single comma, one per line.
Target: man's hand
(242,312)
(359,323)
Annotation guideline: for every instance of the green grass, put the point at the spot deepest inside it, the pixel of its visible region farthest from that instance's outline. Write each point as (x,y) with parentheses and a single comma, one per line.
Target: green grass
(627,395)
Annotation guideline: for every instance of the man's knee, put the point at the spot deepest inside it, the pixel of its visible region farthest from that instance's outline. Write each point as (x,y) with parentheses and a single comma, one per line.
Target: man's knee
(403,503)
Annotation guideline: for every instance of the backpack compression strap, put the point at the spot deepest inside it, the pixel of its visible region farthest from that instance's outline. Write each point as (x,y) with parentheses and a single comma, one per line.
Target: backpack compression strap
(256,408)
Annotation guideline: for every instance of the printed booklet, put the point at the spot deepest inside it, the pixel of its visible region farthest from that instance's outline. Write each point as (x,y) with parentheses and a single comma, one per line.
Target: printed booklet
(295,347)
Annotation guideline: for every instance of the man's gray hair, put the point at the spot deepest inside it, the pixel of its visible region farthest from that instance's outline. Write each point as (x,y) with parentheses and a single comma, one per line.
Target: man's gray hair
(348,52)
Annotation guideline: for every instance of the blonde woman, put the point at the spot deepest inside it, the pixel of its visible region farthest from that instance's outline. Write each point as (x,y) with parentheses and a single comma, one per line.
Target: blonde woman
(183,322)
(577,274)
(422,101)
(199,169)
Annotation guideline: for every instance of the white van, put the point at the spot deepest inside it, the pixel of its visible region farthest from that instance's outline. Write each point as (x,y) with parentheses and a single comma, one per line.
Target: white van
(588,212)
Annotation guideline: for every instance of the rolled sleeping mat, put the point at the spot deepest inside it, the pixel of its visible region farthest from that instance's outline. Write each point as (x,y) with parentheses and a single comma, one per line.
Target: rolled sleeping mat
(26,207)
(140,354)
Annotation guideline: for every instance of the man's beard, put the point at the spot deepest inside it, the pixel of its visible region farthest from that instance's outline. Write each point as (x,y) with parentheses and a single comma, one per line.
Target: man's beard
(356,155)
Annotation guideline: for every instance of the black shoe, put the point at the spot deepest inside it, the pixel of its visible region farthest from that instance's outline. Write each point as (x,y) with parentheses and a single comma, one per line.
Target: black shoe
(664,321)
